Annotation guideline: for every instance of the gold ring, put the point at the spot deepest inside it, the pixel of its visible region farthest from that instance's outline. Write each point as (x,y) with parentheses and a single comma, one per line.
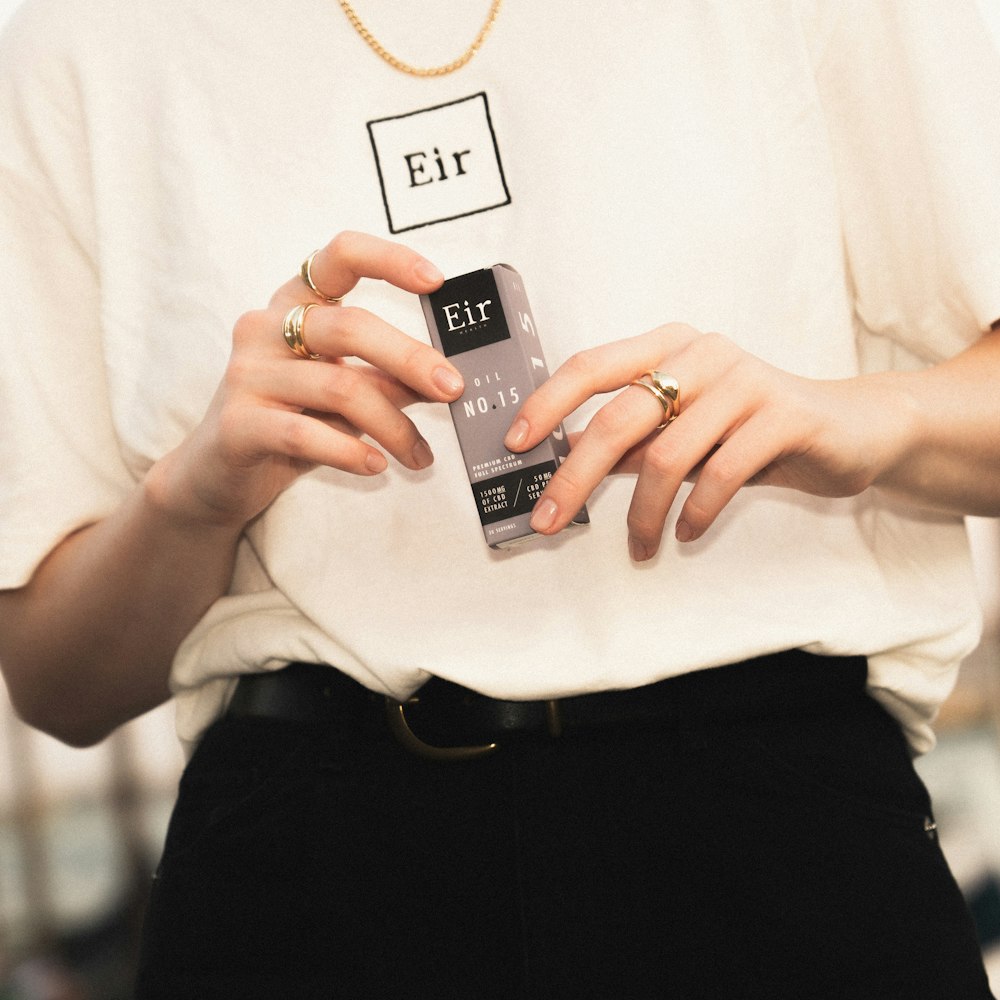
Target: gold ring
(305,272)
(666,389)
(291,330)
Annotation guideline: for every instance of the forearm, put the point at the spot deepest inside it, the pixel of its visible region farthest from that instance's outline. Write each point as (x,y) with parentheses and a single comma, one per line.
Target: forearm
(88,643)
(950,458)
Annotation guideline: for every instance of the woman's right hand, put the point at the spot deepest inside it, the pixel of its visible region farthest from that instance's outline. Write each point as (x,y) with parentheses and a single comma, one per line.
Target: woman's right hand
(276,414)
(93,635)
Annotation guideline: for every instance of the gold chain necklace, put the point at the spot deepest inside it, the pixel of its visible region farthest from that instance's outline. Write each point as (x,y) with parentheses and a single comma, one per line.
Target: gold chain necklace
(403,67)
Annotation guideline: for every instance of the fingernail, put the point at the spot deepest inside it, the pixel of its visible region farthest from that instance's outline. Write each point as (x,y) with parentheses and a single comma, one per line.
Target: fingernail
(637,550)
(517,434)
(544,515)
(426,271)
(375,462)
(448,381)
(422,455)
(683,532)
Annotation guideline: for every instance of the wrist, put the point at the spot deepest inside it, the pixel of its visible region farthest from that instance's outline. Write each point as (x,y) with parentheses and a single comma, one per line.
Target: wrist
(170,496)
(905,427)
(915,457)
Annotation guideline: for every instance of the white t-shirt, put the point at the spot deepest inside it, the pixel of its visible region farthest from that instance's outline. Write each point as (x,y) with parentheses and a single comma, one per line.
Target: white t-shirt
(819,185)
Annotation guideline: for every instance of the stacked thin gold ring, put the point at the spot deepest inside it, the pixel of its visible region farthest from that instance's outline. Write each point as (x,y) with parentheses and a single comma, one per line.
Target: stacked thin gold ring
(305,271)
(666,389)
(292,327)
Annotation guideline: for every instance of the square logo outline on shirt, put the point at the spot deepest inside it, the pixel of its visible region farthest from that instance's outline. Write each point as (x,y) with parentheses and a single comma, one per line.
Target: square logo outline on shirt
(395,227)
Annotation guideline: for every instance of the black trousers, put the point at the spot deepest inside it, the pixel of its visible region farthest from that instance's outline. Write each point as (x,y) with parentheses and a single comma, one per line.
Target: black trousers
(766,841)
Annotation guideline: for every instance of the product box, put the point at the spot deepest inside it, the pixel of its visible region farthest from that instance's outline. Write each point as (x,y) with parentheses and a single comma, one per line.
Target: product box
(482,323)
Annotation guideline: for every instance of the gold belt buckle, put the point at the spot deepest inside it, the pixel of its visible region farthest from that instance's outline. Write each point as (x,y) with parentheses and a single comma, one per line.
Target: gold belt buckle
(400,729)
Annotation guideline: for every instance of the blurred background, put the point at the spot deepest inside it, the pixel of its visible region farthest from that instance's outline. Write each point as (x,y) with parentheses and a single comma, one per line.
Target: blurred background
(80,830)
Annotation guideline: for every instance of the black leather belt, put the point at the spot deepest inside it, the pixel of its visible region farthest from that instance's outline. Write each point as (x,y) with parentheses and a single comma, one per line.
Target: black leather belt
(444,721)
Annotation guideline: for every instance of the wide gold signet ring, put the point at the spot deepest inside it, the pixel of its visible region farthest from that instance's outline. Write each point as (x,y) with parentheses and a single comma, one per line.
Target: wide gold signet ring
(292,330)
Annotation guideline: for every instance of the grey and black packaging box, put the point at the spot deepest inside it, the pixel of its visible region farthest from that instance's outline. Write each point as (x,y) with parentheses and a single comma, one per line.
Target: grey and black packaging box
(483,324)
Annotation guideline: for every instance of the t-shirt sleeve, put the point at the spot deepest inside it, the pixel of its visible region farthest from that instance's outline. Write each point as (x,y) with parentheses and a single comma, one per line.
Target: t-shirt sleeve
(911,93)
(60,465)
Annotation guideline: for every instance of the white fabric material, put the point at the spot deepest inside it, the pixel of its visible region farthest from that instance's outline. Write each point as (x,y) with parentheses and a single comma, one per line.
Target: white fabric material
(817,184)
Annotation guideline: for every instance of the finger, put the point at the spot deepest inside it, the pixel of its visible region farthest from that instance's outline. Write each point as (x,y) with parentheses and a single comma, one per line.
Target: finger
(349,392)
(589,373)
(741,457)
(617,427)
(662,470)
(668,459)
(700,445)
(351,256)
(348,331)
(396,392)
(298,437)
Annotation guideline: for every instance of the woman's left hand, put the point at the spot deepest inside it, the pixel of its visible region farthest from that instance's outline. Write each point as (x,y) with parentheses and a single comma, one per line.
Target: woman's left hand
(740,421)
